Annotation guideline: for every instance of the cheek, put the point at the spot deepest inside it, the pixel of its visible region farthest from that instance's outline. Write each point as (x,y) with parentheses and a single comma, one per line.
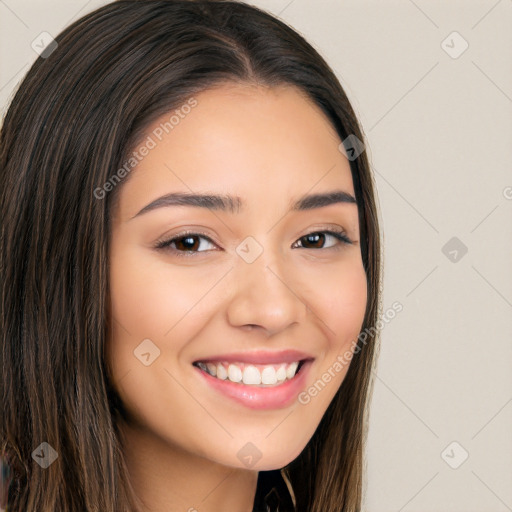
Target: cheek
(343,304)
(148,297)
(145,304)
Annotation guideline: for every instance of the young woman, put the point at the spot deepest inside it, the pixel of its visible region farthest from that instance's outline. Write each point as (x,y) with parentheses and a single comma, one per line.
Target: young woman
(190,269)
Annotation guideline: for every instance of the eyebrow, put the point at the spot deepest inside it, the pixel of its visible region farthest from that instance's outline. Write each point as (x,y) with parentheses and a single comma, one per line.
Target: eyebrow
(233,204)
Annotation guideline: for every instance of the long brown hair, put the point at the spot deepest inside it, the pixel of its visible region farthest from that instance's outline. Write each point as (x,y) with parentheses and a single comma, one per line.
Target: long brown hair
(70,125)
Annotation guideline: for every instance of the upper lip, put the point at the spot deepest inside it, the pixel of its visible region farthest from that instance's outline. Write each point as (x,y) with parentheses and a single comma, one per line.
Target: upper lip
(259,357)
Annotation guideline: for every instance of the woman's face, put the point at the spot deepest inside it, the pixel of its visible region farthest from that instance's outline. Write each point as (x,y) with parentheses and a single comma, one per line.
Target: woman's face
(252,281)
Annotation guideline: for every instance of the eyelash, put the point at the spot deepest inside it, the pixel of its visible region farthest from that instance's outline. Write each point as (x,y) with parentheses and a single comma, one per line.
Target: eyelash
(164,244)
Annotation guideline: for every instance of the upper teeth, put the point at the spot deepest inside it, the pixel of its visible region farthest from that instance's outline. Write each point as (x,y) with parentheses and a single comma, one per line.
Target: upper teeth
(251,374)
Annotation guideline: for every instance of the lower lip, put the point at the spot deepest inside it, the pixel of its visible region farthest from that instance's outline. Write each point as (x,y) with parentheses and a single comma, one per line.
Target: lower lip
(276,397)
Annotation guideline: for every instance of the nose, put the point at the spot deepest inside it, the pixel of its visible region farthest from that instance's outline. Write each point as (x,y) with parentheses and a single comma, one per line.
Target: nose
(265,297)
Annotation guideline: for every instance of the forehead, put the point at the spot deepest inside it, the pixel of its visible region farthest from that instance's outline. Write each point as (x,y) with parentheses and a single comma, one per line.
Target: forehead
(268,144)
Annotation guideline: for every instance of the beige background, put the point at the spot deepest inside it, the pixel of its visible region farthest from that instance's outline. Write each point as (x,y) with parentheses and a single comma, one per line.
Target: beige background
(440,138)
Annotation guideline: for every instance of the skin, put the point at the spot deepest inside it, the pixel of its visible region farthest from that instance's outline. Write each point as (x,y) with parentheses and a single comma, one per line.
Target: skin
(270,146)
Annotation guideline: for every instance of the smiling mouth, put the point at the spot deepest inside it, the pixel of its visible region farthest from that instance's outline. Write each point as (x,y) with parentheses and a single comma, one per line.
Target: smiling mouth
(257,375)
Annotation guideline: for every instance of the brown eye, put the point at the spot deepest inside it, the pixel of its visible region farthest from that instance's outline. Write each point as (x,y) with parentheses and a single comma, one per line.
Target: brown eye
(185,244)
(317,239)
(188,244)
(313,239)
